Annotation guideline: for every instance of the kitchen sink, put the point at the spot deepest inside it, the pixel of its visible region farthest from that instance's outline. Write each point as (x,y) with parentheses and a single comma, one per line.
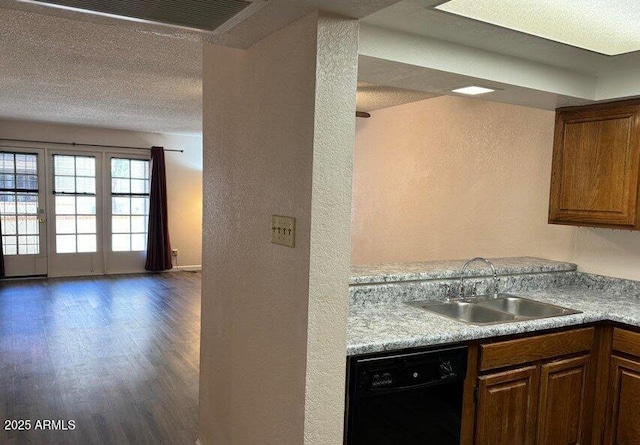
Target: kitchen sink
(486,310)
(525,308)
(467,312)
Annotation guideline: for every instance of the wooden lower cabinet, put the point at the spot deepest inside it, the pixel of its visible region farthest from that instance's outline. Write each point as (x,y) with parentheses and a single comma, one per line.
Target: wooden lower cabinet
(536,390)
(623,421)
(506,407)
(562,408)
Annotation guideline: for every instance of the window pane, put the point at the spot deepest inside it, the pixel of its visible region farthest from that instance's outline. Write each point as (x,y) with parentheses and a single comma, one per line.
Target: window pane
(85,185)
(139,169)
(9,225)
(65,184)
(85,166)
(29,182)
(86,205)
(65,205)
(121,243)
(64,165)
(139,186)
(121,205)
(31,203)
(138,242)
(32,225)
(22,225)
(139,224)
(120,224)
(138,206)
(7,163)
(65,243)
(65,224)
(26,163)
(119,168)
(9,245)
(87,224)
(87,243)
(119,185)
(22,203)
(28,245)
(7,203)
(7,181)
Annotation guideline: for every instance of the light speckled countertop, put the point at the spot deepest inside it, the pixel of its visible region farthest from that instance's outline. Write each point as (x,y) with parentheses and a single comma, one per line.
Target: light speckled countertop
(434,270)
(394,325)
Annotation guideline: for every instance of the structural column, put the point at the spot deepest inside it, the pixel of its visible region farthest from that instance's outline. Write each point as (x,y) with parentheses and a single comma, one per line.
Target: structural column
(278,140)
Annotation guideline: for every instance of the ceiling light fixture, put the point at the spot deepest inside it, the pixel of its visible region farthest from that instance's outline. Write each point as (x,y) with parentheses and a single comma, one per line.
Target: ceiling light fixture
(473,90)
(607,27)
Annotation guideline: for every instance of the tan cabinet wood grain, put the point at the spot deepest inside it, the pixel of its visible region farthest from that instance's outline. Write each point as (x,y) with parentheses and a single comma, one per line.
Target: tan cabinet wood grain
(562,408)
(596,165)
(623,424)
(506,409)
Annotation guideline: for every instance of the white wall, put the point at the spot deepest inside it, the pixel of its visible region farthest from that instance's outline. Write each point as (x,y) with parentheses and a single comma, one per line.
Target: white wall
(184,172)
(278,136)
(453,177)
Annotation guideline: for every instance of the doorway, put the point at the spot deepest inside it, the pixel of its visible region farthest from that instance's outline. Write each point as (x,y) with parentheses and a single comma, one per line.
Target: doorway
(73,213)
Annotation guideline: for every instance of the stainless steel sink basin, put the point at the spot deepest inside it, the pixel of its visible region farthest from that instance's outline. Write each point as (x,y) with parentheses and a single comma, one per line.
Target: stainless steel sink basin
(526,308)
(485,310)
(466,312)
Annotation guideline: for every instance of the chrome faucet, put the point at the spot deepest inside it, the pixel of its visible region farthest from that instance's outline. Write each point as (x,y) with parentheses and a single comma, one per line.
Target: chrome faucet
(464,269)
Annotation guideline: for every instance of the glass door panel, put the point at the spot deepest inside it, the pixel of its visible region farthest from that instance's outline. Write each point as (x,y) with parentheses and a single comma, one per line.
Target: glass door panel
(129,209)
(75,215)
(21,214)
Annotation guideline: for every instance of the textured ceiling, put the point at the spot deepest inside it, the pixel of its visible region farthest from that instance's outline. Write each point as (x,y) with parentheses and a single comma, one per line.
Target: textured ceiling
(59,70)
(69,67)
(375,97)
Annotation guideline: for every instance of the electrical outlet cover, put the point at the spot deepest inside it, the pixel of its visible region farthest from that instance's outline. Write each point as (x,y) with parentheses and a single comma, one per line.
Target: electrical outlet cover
(283,230)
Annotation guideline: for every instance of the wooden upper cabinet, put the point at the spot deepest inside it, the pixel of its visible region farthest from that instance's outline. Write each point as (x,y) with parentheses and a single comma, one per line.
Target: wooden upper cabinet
(595,171)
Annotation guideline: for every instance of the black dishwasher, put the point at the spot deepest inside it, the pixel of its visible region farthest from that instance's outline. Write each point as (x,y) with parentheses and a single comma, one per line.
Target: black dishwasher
(406,399)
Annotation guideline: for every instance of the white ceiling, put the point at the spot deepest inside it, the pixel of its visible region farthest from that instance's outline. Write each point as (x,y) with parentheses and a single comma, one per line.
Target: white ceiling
(419,18)
(60,70)
(68,67)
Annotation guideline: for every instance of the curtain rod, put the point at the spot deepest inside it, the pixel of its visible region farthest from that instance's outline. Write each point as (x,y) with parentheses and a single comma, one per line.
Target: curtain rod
(75,144)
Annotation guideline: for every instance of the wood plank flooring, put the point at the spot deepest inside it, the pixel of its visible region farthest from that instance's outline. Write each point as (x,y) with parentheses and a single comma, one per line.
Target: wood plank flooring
(118,355)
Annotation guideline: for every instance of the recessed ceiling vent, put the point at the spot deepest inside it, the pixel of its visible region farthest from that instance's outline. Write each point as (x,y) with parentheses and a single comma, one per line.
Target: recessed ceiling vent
(215,16)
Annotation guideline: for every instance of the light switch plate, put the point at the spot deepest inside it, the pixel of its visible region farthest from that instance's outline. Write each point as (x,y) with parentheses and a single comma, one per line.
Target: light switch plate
(283,230)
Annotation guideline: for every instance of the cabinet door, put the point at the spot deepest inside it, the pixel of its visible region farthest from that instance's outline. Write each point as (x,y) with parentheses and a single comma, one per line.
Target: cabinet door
(596,156)
(561,412)
(506,407)
(623,425)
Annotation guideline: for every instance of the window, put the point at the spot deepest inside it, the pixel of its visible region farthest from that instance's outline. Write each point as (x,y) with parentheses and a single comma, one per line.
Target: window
(19,204)
(75,203)
(129,204)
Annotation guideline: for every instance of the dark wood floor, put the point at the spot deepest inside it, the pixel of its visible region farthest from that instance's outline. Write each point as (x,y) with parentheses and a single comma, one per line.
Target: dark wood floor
(117,355)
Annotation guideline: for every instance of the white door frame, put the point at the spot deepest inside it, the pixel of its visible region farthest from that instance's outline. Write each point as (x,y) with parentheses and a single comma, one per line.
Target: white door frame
(119,262)
(32,265)
(75,264)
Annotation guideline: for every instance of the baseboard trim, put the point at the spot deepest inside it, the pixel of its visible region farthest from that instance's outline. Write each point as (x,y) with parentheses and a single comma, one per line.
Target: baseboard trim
(196,267)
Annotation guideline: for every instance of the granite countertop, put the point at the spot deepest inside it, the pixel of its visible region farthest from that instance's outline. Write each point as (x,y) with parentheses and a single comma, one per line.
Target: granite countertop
(434,270)
(394,325)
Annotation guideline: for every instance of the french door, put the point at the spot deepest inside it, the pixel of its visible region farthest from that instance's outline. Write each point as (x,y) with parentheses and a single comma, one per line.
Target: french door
(75,217)
(23,212)
(72,213)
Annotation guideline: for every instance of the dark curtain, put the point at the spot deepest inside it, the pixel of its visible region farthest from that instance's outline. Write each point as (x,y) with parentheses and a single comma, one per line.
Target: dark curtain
(158,244)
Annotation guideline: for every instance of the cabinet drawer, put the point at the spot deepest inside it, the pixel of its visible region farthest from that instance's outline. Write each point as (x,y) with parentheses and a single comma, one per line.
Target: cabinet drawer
(531,349)
(626,341)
